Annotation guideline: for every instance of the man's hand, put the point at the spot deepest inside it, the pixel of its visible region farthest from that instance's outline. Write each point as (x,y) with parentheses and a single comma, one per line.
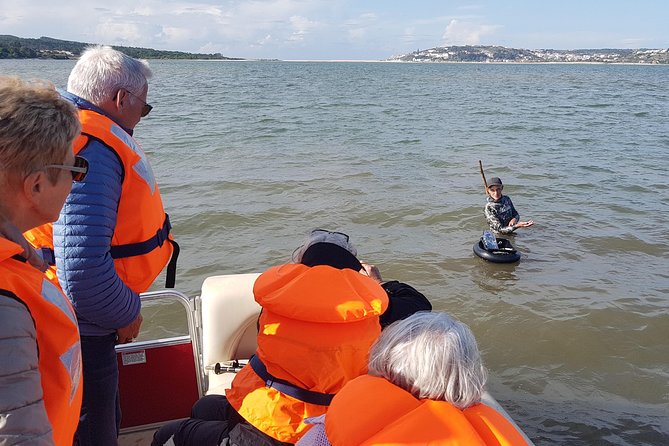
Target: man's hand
(129,332)
(371,271)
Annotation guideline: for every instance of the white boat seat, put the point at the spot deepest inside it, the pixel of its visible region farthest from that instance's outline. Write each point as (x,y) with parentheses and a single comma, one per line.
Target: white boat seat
(229,324)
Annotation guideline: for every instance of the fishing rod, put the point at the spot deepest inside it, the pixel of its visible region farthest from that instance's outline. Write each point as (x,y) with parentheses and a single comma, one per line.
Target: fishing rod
(485,183)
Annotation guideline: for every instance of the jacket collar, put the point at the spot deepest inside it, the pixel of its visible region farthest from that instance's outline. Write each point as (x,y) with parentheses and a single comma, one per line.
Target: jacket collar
(83,104)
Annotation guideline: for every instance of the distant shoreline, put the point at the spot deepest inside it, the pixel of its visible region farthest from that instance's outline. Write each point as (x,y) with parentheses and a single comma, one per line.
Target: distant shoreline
(47,48)
(453,62)
(13,47)
(499,54)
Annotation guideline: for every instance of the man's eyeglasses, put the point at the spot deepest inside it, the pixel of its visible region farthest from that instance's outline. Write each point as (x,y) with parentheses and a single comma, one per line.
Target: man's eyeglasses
(146,108)
(316,231)
(78,170)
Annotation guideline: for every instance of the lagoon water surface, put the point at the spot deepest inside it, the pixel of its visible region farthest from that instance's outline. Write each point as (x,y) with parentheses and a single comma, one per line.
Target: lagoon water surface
(252,155)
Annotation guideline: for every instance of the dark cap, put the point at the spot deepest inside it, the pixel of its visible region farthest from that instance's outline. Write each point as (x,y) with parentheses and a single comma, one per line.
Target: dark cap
(495,181)
(330,254)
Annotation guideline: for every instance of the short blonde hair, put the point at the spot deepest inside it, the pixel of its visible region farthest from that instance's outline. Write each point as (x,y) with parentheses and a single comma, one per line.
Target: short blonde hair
(430,355)
(37,127)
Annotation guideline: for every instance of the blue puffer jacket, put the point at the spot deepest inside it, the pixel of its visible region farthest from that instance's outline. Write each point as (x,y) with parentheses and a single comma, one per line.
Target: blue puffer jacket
(82,240)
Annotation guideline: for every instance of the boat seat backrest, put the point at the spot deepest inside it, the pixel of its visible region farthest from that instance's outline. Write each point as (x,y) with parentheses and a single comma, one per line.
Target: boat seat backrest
(229,318)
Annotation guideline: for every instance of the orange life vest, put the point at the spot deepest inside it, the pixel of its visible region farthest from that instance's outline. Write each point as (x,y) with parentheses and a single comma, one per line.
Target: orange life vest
(58,344)
(371,411)
(316,327)
(142,227)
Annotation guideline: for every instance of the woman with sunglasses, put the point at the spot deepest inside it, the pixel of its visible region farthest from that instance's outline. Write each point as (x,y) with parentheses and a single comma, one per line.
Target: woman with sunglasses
(320,314)
(502,217)
(40,374)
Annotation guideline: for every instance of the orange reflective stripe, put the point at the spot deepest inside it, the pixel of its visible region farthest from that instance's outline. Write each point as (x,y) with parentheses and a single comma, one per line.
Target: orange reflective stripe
(57,341)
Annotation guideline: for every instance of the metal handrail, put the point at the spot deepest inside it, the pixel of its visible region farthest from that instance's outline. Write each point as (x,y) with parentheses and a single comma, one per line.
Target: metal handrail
(193,329)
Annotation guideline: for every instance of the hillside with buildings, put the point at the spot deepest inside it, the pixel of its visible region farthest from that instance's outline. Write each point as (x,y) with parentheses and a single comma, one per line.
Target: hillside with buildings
(499,54)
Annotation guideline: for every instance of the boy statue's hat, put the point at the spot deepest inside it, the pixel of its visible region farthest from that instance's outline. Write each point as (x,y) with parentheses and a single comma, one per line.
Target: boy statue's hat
(495,181)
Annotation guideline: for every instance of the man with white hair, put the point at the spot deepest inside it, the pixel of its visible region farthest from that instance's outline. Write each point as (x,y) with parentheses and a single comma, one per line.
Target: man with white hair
(112,238)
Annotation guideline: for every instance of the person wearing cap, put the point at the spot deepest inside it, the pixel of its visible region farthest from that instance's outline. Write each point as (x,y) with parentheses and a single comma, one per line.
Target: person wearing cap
(320,315)
(502,217)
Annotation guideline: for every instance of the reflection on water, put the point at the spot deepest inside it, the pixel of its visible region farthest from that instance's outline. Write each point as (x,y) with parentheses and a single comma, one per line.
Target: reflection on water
(492,277)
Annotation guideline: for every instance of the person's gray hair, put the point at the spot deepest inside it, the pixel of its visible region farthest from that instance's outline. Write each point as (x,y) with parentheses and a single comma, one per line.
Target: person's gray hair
(323,237)
(102,71)
(430,355)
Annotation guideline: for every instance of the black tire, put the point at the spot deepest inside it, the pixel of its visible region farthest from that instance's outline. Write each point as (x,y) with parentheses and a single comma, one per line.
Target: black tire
(506,253)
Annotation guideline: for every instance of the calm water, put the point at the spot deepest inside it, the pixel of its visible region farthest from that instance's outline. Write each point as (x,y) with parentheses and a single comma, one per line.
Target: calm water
(251,155)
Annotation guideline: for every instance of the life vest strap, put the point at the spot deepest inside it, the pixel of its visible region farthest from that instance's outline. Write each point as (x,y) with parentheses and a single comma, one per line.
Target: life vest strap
(307,396)
(137,249)
(145,247)
(47,255)
(20,258)
(171,273)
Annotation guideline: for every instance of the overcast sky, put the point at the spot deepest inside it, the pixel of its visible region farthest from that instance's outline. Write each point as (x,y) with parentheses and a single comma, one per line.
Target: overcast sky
(341,29)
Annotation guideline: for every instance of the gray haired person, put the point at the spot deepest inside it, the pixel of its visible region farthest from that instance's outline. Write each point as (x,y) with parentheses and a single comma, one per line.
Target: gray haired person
(432,356)
(424,386)
(120,192)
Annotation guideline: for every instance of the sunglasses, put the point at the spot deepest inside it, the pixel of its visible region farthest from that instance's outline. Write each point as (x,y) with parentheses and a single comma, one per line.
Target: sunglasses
(146,108)
(78,170)
(324,231)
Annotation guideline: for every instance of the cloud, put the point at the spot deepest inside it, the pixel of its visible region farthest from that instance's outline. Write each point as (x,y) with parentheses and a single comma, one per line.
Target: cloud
(634,42)
(297,29)
(237,28)
(460,32)
(176,34)
(120,32)
(359,28)
(301,26)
